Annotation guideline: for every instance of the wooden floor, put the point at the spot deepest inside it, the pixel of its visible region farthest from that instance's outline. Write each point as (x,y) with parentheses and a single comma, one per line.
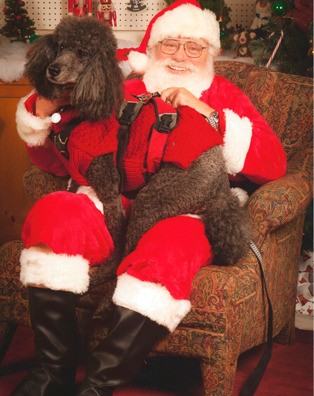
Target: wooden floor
(290,371)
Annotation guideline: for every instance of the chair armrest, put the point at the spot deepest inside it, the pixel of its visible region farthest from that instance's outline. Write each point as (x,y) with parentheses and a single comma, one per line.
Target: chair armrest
(38,183)
(280,201)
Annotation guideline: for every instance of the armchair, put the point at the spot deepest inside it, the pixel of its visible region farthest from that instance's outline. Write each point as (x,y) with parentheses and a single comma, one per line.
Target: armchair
(229,314)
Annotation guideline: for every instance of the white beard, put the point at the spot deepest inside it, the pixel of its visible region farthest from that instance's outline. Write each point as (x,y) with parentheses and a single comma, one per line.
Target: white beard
(157,77)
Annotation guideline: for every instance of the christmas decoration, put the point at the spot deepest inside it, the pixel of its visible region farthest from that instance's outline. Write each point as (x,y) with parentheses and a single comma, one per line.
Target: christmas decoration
(279,8)
(136,5)
(263,14)
(80,8)
(286,43)
(18,26)
(106,12)
(222,12)
(242,38)
(275,50)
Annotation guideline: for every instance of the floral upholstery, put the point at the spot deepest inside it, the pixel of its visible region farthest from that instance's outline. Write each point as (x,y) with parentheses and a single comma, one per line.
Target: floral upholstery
(229,314)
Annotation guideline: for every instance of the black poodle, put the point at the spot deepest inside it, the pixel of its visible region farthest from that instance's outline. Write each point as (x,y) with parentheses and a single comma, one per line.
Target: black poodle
(78,60)
(79,57)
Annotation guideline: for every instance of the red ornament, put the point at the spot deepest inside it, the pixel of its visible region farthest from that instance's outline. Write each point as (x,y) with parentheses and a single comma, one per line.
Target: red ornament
(106,12)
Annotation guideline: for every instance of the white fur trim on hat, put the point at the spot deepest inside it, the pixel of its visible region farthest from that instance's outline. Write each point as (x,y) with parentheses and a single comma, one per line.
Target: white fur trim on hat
(151,300)
(54,271)
(33,130)
(237,140)
(187,21)
(138,61)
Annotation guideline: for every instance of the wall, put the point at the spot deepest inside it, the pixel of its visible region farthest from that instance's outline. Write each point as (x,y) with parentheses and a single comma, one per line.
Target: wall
(130,25)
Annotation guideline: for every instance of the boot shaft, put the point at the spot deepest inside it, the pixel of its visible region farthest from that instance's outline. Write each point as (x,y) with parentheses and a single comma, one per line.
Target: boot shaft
(115,361)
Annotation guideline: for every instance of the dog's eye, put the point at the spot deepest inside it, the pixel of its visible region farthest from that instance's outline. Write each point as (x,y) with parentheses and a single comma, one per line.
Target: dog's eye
(61,47)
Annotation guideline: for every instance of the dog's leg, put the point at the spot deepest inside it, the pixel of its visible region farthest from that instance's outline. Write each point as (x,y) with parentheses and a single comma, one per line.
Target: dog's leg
(227,227)
(173,191)
(104,178)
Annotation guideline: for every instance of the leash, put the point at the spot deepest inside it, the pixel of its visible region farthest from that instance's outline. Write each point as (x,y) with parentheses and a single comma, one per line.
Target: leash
(255,377)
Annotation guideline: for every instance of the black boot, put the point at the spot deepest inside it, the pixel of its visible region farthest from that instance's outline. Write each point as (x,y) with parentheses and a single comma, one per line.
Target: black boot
(118,357)
(54,324)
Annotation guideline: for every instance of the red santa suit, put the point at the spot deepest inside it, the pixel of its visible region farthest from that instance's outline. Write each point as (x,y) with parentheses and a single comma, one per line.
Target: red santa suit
(72,225)
(251,150)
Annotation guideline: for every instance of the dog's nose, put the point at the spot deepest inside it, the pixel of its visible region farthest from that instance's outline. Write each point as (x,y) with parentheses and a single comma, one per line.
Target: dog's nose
(54,70)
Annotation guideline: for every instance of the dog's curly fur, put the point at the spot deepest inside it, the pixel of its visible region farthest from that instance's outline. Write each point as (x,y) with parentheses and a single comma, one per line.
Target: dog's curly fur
(202,189)
(80,55)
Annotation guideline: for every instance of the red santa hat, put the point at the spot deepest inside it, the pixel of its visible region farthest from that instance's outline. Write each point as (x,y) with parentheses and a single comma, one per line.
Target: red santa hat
(182,18)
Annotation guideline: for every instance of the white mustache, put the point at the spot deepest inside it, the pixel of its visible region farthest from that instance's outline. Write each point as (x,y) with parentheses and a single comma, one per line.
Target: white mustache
(172,64)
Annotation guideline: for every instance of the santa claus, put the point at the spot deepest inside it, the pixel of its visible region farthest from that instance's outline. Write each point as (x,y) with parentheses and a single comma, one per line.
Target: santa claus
(175,60)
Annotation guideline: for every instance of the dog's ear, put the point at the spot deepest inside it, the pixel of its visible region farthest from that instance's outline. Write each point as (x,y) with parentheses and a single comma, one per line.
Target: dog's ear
(98,91)
(40,55)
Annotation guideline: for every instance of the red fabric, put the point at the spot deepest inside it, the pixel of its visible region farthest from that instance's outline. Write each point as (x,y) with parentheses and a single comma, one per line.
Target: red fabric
(87,141)
(69,224)
(191,138)
(171,253)
(30,103)
(266,159)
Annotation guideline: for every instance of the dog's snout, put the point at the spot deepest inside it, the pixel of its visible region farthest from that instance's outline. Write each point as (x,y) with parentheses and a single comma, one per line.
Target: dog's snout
(54,70)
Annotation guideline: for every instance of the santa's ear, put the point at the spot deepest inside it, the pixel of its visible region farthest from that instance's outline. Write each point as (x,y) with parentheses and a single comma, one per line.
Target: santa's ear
(39,57)
(98,91)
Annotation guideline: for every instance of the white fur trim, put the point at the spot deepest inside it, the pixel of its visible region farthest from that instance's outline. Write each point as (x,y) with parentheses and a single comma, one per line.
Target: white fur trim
(151,300)
(89,191)
(237,140)
(241,194)
(125,68)
(138,61)
(54,271)
(187,21)
(194,216)
(33,130)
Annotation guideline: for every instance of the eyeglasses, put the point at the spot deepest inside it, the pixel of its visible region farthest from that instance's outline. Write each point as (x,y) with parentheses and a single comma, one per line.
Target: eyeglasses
(171,46)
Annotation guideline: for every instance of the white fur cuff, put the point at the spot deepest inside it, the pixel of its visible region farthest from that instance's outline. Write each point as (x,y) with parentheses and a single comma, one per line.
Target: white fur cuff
(90,192)
(33,130)
(151,300)
(241,194)
(237,140)
(54,271)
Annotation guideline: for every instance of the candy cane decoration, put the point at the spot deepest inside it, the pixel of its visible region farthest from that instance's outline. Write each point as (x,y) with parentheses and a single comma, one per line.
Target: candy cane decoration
(275,49)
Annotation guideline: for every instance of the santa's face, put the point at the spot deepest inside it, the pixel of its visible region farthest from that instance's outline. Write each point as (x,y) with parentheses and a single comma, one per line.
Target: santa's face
(179,69)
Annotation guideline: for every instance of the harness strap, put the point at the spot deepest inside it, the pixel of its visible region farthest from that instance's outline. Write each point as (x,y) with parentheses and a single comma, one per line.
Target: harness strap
(128,112)
(166,120)
(164,124)
(61,139)
(255,377)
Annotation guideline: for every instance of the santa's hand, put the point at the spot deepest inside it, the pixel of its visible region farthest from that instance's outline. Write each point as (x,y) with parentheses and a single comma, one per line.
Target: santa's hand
(46,107)
(182,97)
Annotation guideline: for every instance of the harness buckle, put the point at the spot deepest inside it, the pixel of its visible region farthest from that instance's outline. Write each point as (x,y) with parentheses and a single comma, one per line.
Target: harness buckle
(145,98)
(166,122)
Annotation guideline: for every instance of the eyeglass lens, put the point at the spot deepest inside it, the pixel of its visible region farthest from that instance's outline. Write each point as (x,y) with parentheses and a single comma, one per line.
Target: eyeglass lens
(191,48)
